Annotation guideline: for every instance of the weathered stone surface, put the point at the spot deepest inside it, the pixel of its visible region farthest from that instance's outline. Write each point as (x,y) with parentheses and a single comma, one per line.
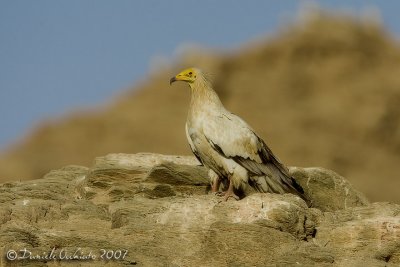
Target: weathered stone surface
(373,231)
(171,173)
(157,208)
(140,161)
(328,190)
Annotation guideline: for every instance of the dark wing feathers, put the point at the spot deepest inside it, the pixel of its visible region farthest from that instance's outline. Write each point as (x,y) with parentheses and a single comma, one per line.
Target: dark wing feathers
(268,175)
(196,154)
(270,159)
(191,145)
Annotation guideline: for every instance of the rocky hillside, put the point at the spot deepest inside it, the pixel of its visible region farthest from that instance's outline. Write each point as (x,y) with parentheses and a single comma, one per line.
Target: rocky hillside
(154,210)
(323,92)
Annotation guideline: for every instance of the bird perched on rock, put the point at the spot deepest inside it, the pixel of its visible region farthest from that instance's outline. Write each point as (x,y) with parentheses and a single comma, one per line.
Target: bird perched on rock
(228,147)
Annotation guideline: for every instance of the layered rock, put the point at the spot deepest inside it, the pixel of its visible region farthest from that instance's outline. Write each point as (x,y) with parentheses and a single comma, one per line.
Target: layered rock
(158,209)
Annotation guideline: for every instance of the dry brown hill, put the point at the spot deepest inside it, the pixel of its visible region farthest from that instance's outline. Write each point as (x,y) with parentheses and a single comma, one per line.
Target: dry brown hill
(325,92)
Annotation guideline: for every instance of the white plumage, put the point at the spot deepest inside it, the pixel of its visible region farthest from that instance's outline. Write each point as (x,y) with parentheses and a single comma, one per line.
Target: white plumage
(228,146)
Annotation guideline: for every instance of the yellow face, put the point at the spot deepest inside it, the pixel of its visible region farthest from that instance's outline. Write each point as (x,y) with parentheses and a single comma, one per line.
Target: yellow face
(188,75)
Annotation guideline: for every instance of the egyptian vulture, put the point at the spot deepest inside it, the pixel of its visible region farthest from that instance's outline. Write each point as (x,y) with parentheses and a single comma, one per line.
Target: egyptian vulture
(233,153)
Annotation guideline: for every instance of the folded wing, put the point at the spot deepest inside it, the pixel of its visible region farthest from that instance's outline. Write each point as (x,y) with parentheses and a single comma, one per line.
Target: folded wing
(234,139)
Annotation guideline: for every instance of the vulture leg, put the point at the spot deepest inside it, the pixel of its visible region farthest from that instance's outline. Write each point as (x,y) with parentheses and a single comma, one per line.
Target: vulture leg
(215,185)
(230,192)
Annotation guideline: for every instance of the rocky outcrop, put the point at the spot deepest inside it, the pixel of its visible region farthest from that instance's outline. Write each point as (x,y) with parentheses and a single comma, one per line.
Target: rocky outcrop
(156,210)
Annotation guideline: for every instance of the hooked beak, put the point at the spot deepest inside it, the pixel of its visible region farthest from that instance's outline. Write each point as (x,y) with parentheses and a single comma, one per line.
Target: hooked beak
(173,79)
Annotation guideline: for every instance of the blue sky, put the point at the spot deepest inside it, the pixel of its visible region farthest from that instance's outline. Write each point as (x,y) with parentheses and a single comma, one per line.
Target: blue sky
(57,56)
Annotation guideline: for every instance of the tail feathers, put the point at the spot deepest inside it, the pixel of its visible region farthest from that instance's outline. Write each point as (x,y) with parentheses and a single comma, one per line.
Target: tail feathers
(271,176)
(279,184)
